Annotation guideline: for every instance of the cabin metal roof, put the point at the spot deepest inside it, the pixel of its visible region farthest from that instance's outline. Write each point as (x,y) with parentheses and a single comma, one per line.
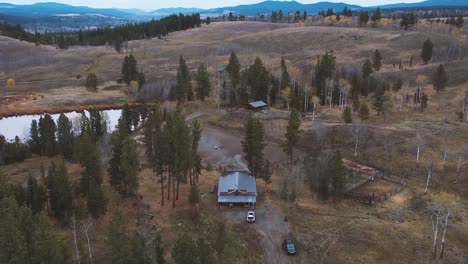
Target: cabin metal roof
(257,104)
(237,181)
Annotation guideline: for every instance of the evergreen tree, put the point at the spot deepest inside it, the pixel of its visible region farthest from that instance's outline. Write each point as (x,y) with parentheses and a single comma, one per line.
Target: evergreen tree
(97,124)
(121,132)
(440,78)
(65,136)
(203,82)
(347,115)
(129,69)
(205,253)
(355,85)
(267,171)
(257,80)
(91,181)
(377,60)
(233,69)
(129,166)
(120,248)
(185,250)
(377,16)
(364,112)
(179,135)
(183,89)
(220,239)
(137,244)
(285,78)
(292,134)
(363,18)
(253,146)
(27,237)
(379,100)
(195,163)
(47,131)
(91,83)
(155,144)
(158,256)
(60,190)
(34,142)
(424,101)
(141,80)
(124,71)
(408,20)
(36,196)
(366,69)
(426,53)
(336,172)
(325,69)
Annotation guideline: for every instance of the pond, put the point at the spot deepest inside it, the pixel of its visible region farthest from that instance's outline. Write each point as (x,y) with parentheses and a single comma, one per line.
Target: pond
(19,125)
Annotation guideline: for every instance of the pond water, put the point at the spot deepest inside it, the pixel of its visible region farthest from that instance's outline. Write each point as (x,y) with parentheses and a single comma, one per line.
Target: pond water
(19,125)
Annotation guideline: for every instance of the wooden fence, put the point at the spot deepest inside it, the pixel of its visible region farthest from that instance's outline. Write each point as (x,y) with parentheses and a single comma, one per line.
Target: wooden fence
(372,198)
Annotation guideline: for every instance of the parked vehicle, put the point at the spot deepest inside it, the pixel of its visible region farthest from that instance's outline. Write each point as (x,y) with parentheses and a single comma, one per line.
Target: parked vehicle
(251,217)
(289,247)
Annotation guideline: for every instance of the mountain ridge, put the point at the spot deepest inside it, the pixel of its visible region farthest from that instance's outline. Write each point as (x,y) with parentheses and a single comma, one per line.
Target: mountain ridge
(65,17)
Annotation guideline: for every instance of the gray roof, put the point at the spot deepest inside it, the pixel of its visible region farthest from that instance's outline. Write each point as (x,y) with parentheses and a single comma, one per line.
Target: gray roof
(237,180)
(258,104)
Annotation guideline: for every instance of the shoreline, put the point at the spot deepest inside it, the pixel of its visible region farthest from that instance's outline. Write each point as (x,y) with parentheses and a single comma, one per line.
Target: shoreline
(64,109)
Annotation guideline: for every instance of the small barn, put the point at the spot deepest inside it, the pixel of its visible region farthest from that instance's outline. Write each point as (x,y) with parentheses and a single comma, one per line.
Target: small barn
(237,188)
(257,105)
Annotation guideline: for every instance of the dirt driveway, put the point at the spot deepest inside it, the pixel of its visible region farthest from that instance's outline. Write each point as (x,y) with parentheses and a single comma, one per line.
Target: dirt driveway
(221,146)
(272,229)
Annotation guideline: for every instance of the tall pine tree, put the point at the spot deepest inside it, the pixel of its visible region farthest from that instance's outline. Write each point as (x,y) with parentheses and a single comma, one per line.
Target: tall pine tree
(253,146)
(292,135)
(203,82)
(426,53)
(440,78)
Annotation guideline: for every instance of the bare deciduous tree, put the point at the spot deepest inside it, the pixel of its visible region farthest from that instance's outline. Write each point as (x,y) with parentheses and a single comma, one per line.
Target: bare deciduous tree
(445,214)
(74,229)
(87,224)
(419,142)
(359,134)
(435,217)
(445,146)
(429,170)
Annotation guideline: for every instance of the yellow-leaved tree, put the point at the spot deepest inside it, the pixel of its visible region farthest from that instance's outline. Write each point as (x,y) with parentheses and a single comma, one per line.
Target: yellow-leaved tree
(10,83)
(134,84)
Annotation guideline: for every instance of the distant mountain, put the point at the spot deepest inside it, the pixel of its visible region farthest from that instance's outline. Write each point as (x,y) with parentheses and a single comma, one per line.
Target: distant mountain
(55,16)
(428,3)
(176,10)
(57,9)
(267,7)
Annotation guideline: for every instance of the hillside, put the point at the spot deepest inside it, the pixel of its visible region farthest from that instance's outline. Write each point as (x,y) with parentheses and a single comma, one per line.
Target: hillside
(44,69)
(52,16)
(388,156)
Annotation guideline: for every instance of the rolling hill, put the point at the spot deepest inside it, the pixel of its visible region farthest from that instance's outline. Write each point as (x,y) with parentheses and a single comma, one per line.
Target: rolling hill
(53,16)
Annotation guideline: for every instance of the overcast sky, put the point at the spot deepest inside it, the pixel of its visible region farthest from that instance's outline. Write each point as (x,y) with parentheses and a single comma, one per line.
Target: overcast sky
(155,4)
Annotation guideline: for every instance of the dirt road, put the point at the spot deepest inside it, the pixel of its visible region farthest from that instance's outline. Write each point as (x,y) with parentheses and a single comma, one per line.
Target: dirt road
(272,229)
(220,146)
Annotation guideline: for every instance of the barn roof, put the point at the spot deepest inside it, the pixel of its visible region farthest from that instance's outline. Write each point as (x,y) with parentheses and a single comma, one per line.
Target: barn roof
(240,181)
(257,104)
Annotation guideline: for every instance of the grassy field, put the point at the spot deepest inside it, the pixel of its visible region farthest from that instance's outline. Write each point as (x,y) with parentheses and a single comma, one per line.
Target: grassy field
(395,231)
(52,73)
